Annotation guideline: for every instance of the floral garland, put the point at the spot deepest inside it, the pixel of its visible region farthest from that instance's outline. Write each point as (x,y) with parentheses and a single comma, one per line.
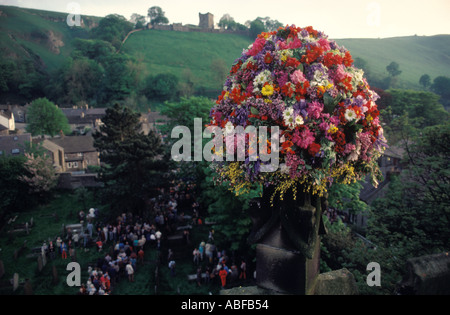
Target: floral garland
(297,79)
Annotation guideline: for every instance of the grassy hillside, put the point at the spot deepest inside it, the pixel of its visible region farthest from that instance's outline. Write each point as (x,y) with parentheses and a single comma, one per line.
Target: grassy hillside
(175,52)
(416,55)
(46,39)
(40,36)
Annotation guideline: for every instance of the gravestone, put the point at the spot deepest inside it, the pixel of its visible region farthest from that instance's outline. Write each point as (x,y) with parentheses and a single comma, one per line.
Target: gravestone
(44,258)
(427,275)
(15,281)
(28,290)
(336,282)
(39,262)
(54,275)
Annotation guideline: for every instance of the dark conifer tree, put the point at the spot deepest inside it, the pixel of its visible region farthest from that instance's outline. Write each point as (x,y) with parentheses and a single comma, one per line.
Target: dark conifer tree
(133,164)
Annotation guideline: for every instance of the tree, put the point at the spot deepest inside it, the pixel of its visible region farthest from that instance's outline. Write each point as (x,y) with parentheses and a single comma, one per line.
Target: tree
(393,69)
(263,25)
(133,164)
(256,28)
(425,81)
(118,78)
(113,28)
(162,87)
(138,20)
(423,108)
(157,16)
(441,86)
(13,190)
(45,118)
(225,21)
(42,177)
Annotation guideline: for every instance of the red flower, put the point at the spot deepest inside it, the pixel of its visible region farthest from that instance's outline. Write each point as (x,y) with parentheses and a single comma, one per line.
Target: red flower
(313,149)
(292,62)
(268,58)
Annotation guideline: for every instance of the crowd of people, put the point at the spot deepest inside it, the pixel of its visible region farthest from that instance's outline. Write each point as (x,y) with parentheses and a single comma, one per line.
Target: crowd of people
(124,242)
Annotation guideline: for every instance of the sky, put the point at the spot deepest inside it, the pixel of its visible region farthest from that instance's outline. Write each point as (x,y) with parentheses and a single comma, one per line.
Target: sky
(336,18)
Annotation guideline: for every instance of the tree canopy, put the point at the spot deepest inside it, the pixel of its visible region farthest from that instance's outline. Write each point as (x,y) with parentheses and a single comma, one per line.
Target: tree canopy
(133,163)
(45,118)
(157,16)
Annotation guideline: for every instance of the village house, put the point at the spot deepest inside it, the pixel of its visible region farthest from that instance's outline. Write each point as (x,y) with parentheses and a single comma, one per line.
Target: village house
(84,119)
(18,111)
(7,122)
(72,154)
(15,144)
(151,120)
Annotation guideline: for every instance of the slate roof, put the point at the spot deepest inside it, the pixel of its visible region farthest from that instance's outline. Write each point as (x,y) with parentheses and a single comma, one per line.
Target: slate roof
(75,144)
(15,141)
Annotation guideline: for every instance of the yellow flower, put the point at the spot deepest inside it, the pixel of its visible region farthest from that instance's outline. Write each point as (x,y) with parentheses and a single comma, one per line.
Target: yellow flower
(267,90)
(333,129)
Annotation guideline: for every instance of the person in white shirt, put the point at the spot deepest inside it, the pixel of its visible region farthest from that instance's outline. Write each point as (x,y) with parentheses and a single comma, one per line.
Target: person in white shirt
(130,272)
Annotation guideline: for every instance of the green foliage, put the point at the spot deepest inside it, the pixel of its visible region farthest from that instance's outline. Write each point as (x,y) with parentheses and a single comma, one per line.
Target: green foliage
(44,118)
(118,81)
(133,163)
(423,108)
(441,86)
(12,190)
(79,80)
(162,87)
(425,81)
(42,177)
(346,197)
(94,49)
(393,69)
(232,222)
(256,28)
(113,28)
(182,113)
(157,16)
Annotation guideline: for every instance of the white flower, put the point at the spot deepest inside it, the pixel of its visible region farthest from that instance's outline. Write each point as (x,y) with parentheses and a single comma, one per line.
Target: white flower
(262,78)
(288,116)
(229,128)
(350,114)
(299,120)
(284,169)
(288,112)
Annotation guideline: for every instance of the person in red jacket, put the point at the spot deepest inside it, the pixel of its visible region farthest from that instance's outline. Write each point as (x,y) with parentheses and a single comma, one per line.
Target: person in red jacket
(223,276)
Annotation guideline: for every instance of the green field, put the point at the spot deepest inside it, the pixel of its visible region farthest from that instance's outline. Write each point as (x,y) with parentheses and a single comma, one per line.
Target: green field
(416,55)
(175,52)
(27,33)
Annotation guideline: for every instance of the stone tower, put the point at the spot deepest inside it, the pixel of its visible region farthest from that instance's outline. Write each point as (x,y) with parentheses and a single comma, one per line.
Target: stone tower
(206,20)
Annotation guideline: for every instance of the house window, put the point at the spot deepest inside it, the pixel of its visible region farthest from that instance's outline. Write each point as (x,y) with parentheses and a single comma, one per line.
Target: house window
(80,154)
(72,164)
(15,151)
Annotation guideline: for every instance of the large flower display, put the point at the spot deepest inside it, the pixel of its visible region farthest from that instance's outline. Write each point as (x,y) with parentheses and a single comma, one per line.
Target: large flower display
(305,84)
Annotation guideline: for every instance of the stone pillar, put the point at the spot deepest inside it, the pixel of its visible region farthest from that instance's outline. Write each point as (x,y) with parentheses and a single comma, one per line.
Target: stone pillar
(288,242)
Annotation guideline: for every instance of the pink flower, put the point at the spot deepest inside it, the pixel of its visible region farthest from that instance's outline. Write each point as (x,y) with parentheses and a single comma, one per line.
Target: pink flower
(296,43)
(304,138)
(257,46)
(314,109)
(324,44)
(297,77)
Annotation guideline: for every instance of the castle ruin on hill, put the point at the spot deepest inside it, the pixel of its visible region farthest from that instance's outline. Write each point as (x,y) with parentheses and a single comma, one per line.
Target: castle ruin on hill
(206,24)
